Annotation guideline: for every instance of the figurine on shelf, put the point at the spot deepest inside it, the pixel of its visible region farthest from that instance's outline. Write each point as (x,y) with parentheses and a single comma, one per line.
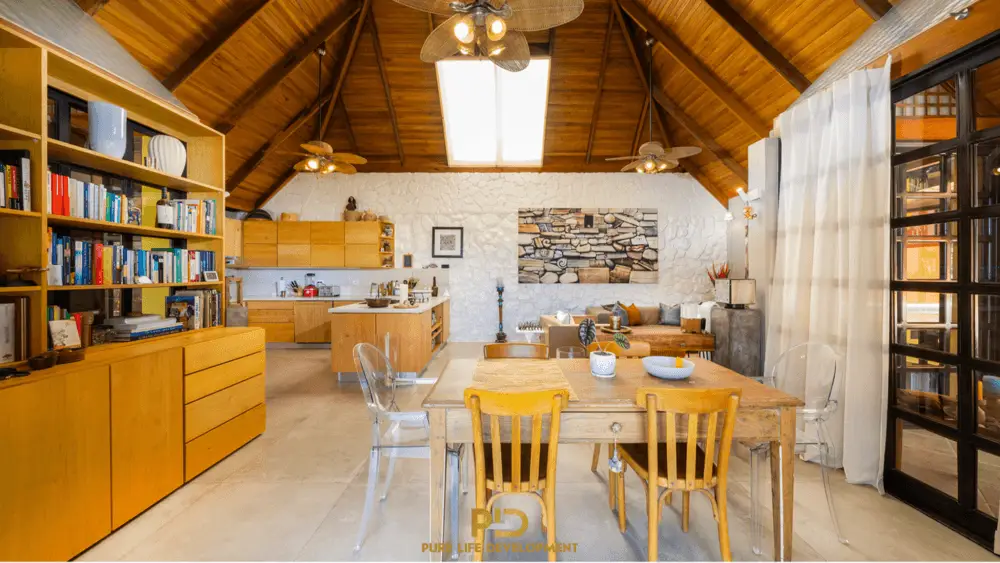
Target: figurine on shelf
(501,335)
(351,212)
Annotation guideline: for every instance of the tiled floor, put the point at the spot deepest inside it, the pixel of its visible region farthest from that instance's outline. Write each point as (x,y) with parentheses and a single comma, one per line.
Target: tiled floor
(297,493)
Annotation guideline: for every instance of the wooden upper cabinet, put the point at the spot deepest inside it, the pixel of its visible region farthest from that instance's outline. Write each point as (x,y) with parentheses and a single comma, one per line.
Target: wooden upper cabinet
(294,255)
(327,255)
(326,232)
(260,232)
(361,232)
(260,255)
(361,256)
(294,232)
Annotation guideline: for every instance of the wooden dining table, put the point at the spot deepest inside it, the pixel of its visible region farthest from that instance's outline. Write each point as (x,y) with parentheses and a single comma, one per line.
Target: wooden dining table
(765,415)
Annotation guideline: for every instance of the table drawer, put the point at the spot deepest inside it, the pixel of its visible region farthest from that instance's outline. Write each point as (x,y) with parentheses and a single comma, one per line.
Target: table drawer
(210,448)
(208,381)
(210,353)
(277,332)
(271,315)
(220,407)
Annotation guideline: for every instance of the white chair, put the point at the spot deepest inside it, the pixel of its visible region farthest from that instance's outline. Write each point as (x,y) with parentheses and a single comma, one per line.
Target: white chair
(395,433)
(822,364)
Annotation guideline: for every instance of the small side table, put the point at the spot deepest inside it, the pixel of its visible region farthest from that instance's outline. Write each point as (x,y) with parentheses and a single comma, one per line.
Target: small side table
(738,340)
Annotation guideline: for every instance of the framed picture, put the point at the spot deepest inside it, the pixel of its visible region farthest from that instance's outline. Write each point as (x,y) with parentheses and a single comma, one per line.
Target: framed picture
(447,242)
(407,260)
(64,334)
(211,276)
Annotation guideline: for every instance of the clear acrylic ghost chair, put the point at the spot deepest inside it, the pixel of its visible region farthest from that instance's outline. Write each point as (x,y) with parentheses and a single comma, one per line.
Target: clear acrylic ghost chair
(822,364)
(395,433)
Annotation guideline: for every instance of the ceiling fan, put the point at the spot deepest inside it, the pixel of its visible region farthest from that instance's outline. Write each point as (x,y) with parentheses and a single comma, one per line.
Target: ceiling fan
(320,158)
(491,28)
(652,157)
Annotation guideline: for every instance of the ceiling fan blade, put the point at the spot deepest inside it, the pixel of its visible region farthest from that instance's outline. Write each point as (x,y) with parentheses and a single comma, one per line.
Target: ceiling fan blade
(348,158)
(633,165)
(441,43)
(317,147)
(535,15)
(677,153)
(651,148)
(510,53)
(440,7)
(624,157)
(345,168)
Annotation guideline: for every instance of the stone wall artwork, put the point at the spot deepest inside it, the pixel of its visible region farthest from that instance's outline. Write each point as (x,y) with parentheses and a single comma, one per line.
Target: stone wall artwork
(590,246)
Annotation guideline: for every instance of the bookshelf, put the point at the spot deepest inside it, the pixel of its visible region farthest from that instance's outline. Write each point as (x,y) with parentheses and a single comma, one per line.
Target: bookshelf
(29,67)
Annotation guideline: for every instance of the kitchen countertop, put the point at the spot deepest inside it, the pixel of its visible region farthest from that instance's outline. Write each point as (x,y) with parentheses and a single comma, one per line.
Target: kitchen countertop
(363,308)
(341,297)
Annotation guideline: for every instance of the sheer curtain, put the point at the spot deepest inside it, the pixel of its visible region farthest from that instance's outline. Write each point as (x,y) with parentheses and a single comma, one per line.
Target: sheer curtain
(831,271)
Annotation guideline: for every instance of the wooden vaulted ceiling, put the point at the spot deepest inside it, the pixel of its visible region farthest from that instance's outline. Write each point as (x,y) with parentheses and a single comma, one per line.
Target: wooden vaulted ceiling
(722,71)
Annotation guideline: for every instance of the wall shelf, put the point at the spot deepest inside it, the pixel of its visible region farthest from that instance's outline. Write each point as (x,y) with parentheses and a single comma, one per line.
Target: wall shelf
(95,225)
(18,213)
(8,133)
(132,286)
(15,289)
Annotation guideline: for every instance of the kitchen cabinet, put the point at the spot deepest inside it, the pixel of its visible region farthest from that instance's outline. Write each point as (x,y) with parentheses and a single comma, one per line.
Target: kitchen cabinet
(277,318)
(327,255)
(260,255)
(294,255)
(312,321)
(361,256)
(326,232)
(362,232)
(257,231)
(294,232)
(346,331)
(317,244)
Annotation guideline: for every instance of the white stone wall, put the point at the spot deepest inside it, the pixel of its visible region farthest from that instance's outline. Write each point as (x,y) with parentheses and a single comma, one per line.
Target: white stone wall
(691,225)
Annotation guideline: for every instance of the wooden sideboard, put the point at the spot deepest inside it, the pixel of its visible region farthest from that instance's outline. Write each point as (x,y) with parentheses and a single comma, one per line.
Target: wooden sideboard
(88,446)
(318,244)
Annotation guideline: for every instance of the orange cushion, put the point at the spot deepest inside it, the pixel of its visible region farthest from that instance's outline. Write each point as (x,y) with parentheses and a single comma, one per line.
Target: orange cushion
(634,316)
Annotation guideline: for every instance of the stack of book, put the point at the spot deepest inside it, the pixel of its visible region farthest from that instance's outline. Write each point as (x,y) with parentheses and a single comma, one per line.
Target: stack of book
(130,329)
(72,197)
(15,177)
(194,216)
(196,309)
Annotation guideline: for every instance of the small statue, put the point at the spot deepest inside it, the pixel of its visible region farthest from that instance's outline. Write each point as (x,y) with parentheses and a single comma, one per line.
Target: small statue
(351,212)
(352,205)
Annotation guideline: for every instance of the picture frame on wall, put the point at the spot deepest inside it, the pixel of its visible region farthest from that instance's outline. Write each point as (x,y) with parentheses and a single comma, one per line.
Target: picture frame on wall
(447,242)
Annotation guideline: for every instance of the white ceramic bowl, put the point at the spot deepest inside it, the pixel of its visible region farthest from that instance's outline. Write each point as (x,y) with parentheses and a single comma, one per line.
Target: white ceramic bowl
(665,367)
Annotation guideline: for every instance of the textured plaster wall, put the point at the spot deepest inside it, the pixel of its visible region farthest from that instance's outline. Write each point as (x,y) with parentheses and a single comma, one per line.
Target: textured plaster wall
(692,233)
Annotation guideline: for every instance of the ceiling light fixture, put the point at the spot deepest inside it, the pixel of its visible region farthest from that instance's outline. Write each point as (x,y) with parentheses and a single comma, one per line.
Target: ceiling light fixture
(496,28)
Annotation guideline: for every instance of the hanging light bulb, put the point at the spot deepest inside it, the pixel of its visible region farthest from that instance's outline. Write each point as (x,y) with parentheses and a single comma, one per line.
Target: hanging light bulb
(649,165)
(465,30)
(313,163)
(464,49)
(497,49)
(330,167)
(662,166)
(496,28)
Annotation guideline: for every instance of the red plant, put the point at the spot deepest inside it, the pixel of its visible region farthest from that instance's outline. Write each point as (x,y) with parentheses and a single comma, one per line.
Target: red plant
(720,272)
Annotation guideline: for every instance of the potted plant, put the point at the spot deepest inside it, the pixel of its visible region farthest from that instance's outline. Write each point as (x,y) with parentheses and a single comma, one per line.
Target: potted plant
(602,362)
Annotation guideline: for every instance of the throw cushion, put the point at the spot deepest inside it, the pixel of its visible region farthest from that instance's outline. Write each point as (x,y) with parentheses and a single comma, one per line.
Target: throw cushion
(563,317)
(634,317)
(650,315)
(621,313)
(600,313)
(670,315)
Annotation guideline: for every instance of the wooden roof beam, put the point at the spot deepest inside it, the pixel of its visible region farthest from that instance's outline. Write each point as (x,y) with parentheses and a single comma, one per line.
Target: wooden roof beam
(637,136)
(380,63)
(874,8)
(706,77)
(91,6)
(763,47)
(212,46)
(596,113)
(277,73)
(346,67)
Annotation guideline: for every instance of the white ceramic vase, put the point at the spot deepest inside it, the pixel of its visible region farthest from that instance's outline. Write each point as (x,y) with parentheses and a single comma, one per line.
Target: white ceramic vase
(106,123)
(167,154)
(602,364)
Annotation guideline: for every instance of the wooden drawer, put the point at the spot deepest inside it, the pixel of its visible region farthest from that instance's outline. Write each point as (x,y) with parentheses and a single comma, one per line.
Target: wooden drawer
(327,255)
(267,305)
(210,353)
(256,316)
(260,255)
(294,232)
(208,381)
(218,408)
(293,255)
(361,256)
(210,448)
(260,232)
(361,232)
(327,232)
(277,332)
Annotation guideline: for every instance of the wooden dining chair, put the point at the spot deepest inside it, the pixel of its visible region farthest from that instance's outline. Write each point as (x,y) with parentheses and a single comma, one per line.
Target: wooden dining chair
(636,350)
(504,468)
(686,468)
(524,350)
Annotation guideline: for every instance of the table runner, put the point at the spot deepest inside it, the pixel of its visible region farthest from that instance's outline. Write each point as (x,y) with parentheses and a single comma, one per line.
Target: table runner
(518,375)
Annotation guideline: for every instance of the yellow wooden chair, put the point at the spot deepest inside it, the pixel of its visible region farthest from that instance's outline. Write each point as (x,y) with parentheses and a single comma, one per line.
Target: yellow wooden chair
(516,468)
(688,468)
(523,350)
(636,350)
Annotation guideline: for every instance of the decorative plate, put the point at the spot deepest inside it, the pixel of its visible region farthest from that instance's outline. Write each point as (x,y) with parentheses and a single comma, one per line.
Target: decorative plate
(609,330)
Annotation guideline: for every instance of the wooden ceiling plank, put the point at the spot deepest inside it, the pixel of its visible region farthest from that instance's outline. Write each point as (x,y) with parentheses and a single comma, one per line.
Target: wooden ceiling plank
(548,93)
(273,77)
(763,47)
(346,66)
(596,113)
(347,124)
(874,8)
(380,63)
(281,183)
(637,136)
(682,55)
(91,6)
(208,50)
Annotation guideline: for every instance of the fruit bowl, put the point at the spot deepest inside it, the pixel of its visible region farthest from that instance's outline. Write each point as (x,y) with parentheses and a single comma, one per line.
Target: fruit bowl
(665,367)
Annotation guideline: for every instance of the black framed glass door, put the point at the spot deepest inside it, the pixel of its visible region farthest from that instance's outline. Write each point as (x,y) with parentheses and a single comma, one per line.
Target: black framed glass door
(943,431)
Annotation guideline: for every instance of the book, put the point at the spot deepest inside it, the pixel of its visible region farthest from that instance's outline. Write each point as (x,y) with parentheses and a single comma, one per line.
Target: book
(136,320)
(183,308)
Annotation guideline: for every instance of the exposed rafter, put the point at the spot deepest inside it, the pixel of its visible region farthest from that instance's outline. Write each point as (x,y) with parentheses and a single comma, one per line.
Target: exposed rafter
(706,77)
(749,34)
(380,62)
(273,77)
(212,46)
(637,136)
(347,125)
(348,58)
(874,8)
(596,113)
(91,6)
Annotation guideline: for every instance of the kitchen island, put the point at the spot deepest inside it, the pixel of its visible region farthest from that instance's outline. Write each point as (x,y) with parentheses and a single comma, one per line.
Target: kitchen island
(415,335)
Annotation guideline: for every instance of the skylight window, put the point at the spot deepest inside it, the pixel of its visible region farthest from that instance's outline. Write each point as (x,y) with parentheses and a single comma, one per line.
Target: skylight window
(493,117)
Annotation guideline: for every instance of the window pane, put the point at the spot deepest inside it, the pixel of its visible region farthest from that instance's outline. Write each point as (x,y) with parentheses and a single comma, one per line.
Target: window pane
(926,118)
(987,95)
(927,457)
(926,388)
(988,405)
(988,492)
(986,316)
(986,175)
(927,320)
(926,185)
(986,249)
(926,252)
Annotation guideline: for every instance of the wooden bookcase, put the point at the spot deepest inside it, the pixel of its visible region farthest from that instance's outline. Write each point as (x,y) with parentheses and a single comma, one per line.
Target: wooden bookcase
(28,67)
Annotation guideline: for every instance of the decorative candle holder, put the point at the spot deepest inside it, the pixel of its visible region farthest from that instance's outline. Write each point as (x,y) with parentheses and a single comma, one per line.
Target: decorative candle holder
(501,335)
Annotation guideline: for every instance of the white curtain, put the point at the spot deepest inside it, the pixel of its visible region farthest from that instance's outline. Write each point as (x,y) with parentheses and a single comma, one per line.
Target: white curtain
(831,271)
